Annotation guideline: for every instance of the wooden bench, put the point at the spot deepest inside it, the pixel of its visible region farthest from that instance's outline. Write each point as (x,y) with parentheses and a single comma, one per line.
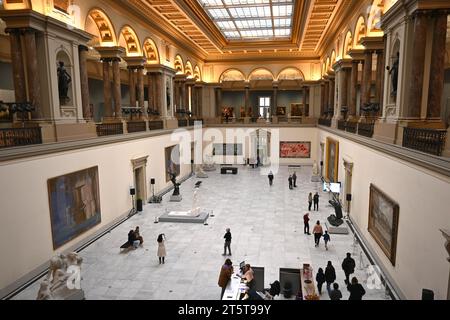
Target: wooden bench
(225,170)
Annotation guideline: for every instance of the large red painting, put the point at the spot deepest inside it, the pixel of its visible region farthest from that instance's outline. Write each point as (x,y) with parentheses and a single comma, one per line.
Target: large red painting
(295,149)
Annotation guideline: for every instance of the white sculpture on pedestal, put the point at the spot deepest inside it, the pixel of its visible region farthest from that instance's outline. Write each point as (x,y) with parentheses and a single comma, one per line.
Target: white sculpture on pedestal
(209,164)
(63,281)
(315,169)
(200,173)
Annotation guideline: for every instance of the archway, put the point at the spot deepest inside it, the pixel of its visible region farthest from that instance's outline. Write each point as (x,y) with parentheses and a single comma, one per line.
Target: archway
(188,70)
(129,40)
(151,52)
(348,43)
(232,75)
(374,20)
(178,64)
(360,31)
(99,24)
(260,74)
(290,73)
(197,74)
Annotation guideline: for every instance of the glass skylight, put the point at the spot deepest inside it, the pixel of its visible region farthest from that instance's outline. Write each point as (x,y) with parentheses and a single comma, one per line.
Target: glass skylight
(251,19)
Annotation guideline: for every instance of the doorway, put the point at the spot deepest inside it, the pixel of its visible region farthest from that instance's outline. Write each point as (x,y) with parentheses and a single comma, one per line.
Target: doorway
(264,107)
(139,176)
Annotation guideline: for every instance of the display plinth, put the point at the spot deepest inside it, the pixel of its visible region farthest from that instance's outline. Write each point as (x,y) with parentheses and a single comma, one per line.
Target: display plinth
(177,198)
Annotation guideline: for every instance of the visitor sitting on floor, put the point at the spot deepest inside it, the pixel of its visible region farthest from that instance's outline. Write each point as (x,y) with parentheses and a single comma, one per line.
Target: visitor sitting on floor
(248,276)
(138,236)
(132,241)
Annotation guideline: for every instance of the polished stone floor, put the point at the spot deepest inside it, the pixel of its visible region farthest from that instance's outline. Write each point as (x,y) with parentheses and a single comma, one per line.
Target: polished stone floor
(267,228)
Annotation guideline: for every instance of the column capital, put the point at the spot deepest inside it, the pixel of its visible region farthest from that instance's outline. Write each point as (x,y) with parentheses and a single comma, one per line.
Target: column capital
(135,62)
(356,54)
(373,43)
(82,47)
(342,64)
(110,52)
(275,84)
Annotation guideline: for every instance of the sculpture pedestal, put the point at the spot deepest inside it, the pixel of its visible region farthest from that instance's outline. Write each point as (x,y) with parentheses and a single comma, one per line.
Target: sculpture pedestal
(177,198)
(201,175)
(342,229)
(316,178)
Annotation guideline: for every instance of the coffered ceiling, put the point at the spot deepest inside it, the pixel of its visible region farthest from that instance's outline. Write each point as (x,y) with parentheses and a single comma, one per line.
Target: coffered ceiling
(243,29)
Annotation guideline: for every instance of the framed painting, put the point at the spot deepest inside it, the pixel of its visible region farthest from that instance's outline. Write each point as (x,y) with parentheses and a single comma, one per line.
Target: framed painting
(172,157)
(332,157)
(74,201)
(383,221)
(296,109)
(295,150)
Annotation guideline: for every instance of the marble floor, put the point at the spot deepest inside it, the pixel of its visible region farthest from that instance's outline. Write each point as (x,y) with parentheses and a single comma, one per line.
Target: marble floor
(267,228)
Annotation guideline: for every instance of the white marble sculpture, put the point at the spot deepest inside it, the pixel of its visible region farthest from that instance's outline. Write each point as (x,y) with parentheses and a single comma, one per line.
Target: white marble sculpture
(63,280)
(315,169)
(209,164)
(200,173)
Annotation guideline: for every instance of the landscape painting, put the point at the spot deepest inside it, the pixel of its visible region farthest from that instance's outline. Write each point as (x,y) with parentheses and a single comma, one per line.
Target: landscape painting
(383,221)
(74,201)
(295,150)
(172,156)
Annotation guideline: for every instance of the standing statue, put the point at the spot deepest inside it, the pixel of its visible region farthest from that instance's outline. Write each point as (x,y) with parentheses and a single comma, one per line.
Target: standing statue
(176,185)
(64,79)
(315,169)
(168,95)
(393,72)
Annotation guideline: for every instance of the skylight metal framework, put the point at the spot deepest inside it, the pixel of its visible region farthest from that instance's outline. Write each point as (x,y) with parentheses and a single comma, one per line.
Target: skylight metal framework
(251,19)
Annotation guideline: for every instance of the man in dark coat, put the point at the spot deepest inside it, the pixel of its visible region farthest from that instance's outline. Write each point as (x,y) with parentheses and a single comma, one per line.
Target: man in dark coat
(290,182)
(330,275)
(316,201)
(294,179)
(356,290)
(227,244)
(306,223)
(348,265)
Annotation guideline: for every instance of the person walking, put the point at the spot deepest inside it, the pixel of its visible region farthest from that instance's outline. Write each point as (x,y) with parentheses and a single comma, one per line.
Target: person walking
(335,294)
(320,279)
(356,290)
(161,247)
(310,201)
(225,275)
(318,232)
(316,201)
(270,178)
(326,239)
(330,276)
(306,223)
(348,265)
(290,182)
(227,244)
(294,179)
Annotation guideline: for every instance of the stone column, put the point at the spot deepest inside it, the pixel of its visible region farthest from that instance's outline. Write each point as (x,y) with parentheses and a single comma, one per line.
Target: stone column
(247,99)
(140,88)
(305,93)
(417,65)
(199,102)
(150,91)
(117,93)
(367,78)
(107,112)
(184,96)
(326,95)
(436,84)
(380,78)
(159,86)
(353,91)
(273,112)
(331,89)
(17,65)
(343,91)
(34,84)
(218,102)
(84,80)
(132,85)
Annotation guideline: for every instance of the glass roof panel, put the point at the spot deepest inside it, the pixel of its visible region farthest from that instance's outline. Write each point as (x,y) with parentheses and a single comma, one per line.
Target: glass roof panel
(251,19)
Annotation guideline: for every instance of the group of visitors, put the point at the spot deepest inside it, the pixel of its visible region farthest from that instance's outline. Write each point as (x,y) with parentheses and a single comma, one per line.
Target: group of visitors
(317,231)
(329,277)
(135,239)
(313,199)
(248,276)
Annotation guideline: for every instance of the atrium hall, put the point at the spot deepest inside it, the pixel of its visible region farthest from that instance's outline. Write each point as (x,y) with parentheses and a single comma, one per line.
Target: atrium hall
(254,143)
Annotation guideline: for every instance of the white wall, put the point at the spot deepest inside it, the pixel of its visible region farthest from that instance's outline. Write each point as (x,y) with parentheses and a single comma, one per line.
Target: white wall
(25,228)
(424,203)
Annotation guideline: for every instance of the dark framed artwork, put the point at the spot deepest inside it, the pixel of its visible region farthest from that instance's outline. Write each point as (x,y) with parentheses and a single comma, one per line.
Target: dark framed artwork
(172,157)
(332,164)
(295,149)
(383,221)
(74,201)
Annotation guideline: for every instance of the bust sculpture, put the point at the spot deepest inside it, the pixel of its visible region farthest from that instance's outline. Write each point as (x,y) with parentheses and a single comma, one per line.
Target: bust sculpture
(63,280)
(64,79)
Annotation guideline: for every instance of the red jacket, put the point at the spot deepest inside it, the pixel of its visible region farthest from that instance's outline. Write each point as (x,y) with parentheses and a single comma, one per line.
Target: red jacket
(305,218)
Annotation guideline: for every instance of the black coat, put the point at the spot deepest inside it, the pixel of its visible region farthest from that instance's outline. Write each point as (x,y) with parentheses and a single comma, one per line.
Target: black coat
(330,274)
(348,265)
(320,278)
(356,291)
(316,198)
(227,236)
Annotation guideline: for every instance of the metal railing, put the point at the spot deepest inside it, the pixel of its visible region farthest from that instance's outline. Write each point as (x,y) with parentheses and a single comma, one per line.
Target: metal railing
(351,126)
(366,129)
(156,125)
(430,141)
(136,126)
(325,122)
(16,137)
(109,129)
(342,125)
